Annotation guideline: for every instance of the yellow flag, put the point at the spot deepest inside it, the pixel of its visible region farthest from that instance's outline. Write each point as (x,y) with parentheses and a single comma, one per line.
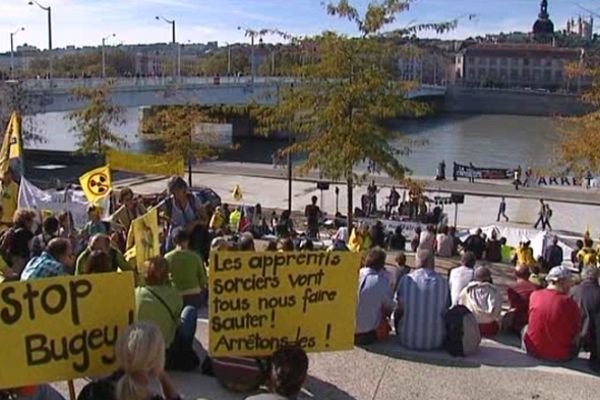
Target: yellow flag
(144,163)
(237,193)
(12,145)
(146,237)
(96,184)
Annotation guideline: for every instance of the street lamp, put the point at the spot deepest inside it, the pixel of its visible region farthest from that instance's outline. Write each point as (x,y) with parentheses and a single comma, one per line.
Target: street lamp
(12,50)
(104,39)
(228,58)
(252,33)
(49,11)
(174,41)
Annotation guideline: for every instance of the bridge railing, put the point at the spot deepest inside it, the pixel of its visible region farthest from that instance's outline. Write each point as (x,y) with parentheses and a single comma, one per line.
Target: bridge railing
(67,84)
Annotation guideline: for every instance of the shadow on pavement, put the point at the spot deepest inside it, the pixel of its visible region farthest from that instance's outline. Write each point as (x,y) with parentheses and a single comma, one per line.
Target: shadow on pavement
(503,351)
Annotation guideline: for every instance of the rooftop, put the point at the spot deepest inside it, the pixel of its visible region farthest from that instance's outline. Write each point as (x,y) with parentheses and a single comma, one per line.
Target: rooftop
(522,49)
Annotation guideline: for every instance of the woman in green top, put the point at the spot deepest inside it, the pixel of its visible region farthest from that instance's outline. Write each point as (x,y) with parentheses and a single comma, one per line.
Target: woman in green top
(187,270)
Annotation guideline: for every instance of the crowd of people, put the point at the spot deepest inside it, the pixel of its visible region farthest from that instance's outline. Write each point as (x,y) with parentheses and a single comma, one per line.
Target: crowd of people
(554,319)
(170,289)
(555,313)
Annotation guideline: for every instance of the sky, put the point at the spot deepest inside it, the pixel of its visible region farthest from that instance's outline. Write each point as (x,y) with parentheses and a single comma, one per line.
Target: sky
(86,22)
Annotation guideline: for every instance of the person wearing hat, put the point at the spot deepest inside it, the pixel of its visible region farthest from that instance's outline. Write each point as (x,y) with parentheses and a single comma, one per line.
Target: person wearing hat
(554,325)
(587,297)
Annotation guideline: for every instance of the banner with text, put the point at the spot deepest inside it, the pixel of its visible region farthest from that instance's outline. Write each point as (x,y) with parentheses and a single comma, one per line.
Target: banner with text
(62,328)
(261,301)
(465,171)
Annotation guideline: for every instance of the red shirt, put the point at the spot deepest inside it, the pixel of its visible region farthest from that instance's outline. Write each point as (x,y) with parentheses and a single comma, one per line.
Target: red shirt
(554,321)
(518,296)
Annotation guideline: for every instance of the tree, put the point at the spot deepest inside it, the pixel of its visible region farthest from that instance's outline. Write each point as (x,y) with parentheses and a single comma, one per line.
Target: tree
(95,120)
(347,90)
(578,148)
(178,129)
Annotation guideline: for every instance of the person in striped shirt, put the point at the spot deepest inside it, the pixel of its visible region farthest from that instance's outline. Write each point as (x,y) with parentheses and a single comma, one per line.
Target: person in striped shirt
(422,297)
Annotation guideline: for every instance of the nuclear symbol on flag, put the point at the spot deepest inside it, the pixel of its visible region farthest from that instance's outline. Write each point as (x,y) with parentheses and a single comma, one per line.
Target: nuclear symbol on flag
(98,184)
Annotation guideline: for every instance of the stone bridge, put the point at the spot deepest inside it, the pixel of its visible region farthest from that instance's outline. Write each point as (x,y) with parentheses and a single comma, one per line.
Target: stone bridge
(55,96)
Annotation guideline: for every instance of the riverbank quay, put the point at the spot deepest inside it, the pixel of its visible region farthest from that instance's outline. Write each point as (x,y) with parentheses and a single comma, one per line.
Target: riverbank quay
(574,208)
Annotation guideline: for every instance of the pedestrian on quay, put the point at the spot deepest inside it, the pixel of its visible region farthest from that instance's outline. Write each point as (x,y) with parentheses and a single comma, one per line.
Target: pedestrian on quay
(471,173)
(541,215)
(502,210)
(547,216)
(517,176)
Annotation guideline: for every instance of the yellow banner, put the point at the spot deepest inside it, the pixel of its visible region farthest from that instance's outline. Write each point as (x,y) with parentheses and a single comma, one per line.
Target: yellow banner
(63,328)
(260,301)
(96,184)
(146,237)
(144,163)
(12,145)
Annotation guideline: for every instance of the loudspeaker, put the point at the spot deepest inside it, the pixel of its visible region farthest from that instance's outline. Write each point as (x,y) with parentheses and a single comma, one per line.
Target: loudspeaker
(458,198)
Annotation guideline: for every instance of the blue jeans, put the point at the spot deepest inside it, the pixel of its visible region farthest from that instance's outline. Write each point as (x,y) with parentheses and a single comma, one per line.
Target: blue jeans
(187,326)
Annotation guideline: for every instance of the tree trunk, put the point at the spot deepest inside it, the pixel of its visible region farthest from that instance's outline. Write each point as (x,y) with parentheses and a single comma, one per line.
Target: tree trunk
(350,188)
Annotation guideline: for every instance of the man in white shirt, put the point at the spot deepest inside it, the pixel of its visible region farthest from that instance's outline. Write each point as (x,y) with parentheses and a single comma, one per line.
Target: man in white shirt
(375,298)
(445,243)
(461,276)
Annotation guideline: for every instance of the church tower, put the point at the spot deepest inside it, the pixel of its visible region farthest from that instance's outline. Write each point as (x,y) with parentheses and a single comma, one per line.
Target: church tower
(543,28)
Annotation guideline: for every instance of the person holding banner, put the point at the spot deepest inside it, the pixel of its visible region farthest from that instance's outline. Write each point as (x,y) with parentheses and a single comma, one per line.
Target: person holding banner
(129,209)
(10,194)
(183,210)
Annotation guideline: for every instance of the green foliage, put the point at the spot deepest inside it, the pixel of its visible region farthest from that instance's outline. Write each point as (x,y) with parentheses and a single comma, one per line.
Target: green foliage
(95,120)
(338,106)
(177,129)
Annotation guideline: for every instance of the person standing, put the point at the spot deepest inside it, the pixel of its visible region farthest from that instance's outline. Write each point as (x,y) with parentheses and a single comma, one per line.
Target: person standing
(441,171)
(541,215)
(392,202)
(502,210)
(517,177)
(553,255)
(312,212)
(471,173)
(547,216)
(372,195)
(554,325)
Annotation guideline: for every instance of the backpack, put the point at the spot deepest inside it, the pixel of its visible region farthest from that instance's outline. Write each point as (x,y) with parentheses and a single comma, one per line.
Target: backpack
(241,374)
(462,330)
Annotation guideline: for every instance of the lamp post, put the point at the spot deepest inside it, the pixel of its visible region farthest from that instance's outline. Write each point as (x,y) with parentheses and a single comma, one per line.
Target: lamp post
(49,11)
(228,58)
(252,33)
(12,51)
(104,39)
(173,41)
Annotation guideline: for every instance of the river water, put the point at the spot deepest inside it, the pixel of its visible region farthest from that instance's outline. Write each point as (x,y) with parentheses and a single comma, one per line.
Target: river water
(503,141)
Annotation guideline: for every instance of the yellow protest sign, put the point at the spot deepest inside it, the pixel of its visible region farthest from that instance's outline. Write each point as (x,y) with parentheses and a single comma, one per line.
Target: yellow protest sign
(144,163)
(146,237)
(96,184)
(12,145)
(62,328)
(260,301)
